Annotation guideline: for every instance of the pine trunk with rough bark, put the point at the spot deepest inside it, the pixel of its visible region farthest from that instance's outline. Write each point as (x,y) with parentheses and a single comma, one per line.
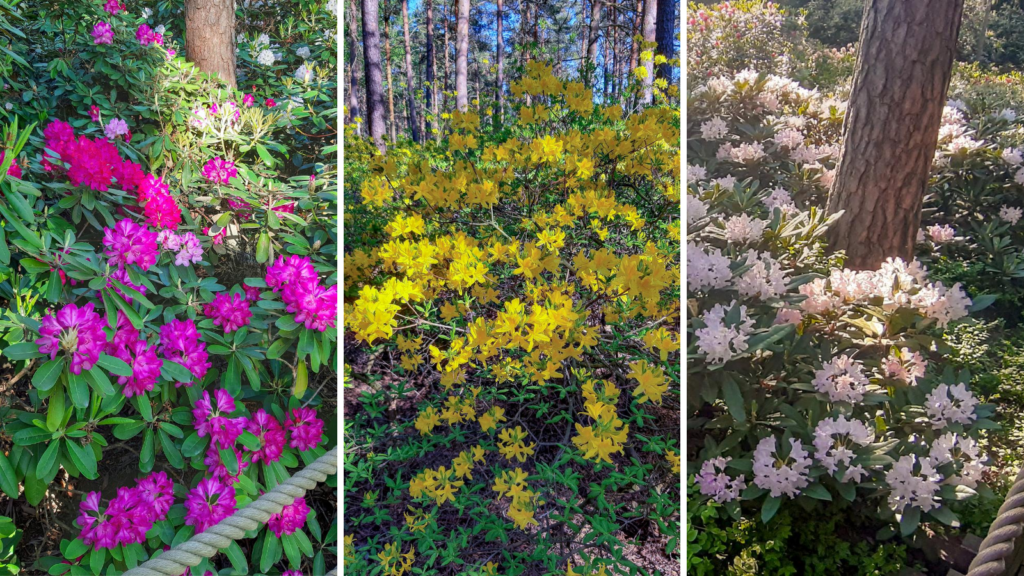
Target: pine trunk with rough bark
(634,46)
(352,60)
(391,83)
(595,32)
(650,37)
(431,92)
(210,37)
(462,57)
(892,124)
(447,54)
(666,35)
(373,74)
(410,100)
(500,91)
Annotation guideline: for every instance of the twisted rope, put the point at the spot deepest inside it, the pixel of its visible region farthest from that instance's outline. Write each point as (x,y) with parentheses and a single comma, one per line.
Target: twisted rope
(998,545)
(175,561)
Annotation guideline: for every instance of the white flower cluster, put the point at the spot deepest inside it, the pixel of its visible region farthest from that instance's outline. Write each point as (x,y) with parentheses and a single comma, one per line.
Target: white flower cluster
(947,405)
(842,379)
(781,475)
(1011,214)
(905,365)
(742,229)
(706,268)
(721,341)
(714,482)
(765,279)
(834,441)
(695,209)
(957,449)
(913,488)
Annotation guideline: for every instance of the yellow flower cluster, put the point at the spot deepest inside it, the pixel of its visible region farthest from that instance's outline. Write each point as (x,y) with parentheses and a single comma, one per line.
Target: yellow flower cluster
(512,483)
(393,562)
(608,434)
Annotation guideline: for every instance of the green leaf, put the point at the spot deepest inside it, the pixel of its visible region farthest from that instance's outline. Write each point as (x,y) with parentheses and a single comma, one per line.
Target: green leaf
(97,378)
(271,551)
(8,479)
(734,400)
(230,461)
(55,410)
(83,457)
(237,558)
(301,380)
(23,351)
(193,445)
(170,450)
(48,460)
(910,521)
(115,365)
(818,492)
(79,390)
(944,515)
(263,248)
(46,376)
(278,348)
(175,372)
(35,489)
(291,550)
(769,508)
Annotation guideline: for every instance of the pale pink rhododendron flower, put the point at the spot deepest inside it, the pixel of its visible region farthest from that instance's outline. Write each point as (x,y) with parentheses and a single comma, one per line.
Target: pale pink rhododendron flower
(964,452)
(843,379)
(212,419)
(290,519)
(913,482)
(229,311)
(695,209)
(764,279)
(781,474)
(940,234)
(714,482)
(220,171)
(906,366)
(788,316)
(1011,214)
(305,428)
(209,503)
(116,127)
(742,229)
(721,341)
(179,343)
(130,243)
(76,331)
(834,442)
(947,405)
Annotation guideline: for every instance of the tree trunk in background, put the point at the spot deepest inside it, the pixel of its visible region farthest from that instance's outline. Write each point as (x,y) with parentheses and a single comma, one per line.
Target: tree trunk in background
(500,92)
(210,37)
(410,99)
(352,60)
(666,35)
(431,91)
(615,51)
(373,74)
(391,83)
(634,46)
(650,36)
(892,123)
(595,32)
(462,56)
(447,74)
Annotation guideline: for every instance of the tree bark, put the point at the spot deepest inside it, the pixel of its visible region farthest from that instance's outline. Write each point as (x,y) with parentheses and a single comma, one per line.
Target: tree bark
(462,56)
(650,37)
(373,74)
(595,32)
(666,35)
(892,123)
(391,84)
(500,91)
(634,46)
(210,37)
(410,100)
(352,61)
(431,92)
(447,53)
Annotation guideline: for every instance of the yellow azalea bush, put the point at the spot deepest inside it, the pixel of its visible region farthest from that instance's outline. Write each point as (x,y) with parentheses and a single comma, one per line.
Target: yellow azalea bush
(512,312)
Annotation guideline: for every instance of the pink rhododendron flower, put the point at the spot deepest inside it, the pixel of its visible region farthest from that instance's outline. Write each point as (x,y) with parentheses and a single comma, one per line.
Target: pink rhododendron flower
(269,102)
(14,171)
(125,521)
(209,503)
(316,307)
(217,469)
(157,491)
(145,367)
(287,207)
(94,113)
(294,271)
(116,127)
(306,429)
(179,342)
(112,7)
(130,243)
(220,171)
(146,36)
(252,293)
(248,100)
(121,275)
(160,209)
(102,33)
(77,331)
(230,311)
(271,435)
(211,418)
(124,334)
(290,519)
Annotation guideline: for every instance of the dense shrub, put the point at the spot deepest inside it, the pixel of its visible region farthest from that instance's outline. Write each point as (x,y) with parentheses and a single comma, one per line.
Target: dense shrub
(168,269)
(512,304)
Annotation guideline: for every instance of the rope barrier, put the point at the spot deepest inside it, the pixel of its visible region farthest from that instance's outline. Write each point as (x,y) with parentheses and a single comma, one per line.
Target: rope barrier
(175,561)
(998,545)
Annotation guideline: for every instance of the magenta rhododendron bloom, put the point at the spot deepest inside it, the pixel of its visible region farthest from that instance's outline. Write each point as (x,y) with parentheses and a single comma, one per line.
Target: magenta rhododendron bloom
(291,518)
(146,36)
(124,334)
(212,418)
(248,100)
(291,573)
(179,342)
(102,33)
(230,311)
(220,171)
(217,468)
(121,275)
(77,331)
(14,171)
(269,102)
(293,271)
(145,367)
(125,521)
(112,7)
(130,243)
(157,492)
(208,503)
(252,293)
(94,113)
(159,206)
(316,307)
(306,429)
(271,435)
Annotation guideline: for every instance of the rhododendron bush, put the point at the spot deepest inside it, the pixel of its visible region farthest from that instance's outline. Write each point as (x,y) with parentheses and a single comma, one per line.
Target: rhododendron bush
(816,387)
(168,273)
(513,343)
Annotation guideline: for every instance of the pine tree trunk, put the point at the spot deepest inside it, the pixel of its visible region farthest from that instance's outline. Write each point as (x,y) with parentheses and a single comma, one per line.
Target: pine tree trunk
(373,74)
(352,60)
(431,91)
(410,100)
(666,35)
(892,123)
(462,56)
(210,37)
(634,46)
(500,91)
(595,32)
(650,36)
(391,84)
(447,52)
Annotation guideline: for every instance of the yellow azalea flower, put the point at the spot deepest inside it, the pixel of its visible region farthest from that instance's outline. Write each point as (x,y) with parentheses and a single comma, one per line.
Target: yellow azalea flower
(651,382)
(511,444)
(490,419)
(427,421)
(393,562)
(662,340)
